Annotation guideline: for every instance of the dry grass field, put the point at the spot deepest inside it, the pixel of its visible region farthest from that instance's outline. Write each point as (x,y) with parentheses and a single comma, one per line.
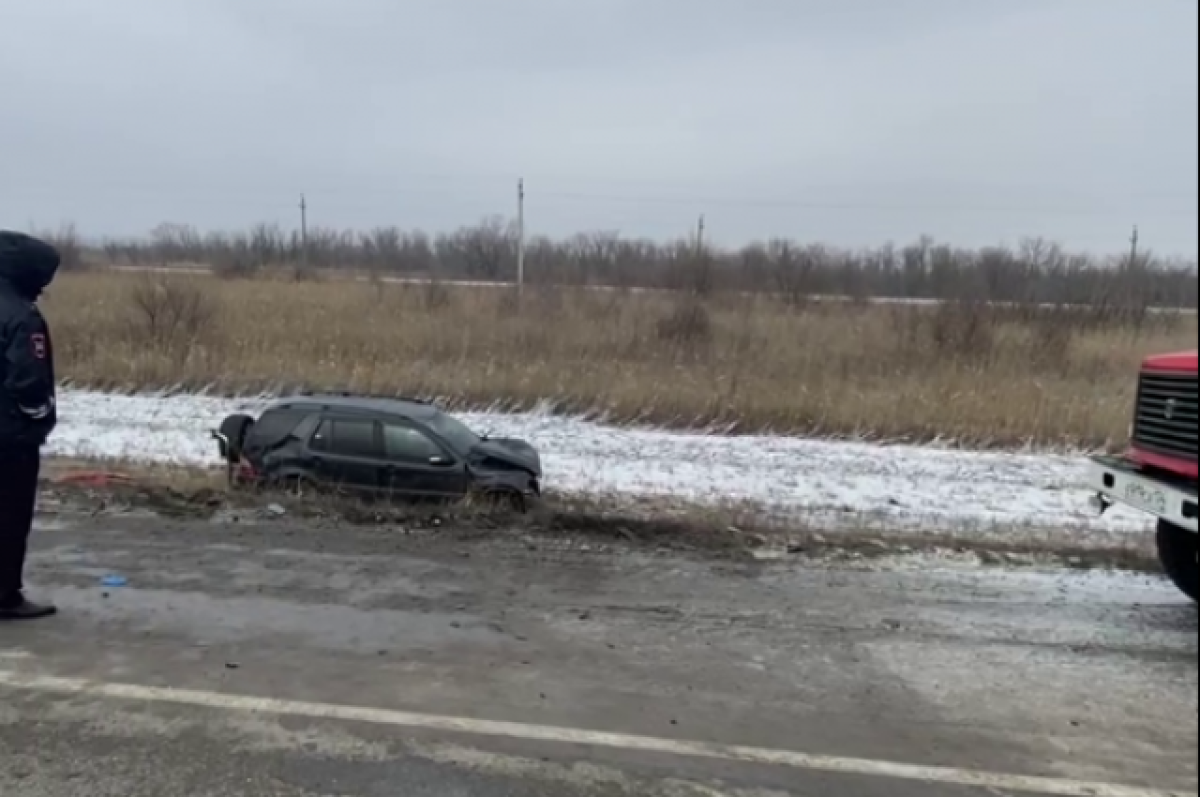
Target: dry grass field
(969,372)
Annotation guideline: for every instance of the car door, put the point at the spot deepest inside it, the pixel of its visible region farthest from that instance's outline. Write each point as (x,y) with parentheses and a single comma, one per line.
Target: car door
(347,453)
(419,467)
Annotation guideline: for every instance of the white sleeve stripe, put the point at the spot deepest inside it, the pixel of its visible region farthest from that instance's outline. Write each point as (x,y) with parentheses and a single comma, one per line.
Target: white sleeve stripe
(37,413)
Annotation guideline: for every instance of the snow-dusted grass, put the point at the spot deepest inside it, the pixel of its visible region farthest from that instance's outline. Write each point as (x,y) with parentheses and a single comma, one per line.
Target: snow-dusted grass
(904,488)
(981,374)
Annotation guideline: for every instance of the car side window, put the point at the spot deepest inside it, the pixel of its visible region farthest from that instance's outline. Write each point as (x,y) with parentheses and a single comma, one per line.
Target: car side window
(346,438)
(320,438)
(406,444)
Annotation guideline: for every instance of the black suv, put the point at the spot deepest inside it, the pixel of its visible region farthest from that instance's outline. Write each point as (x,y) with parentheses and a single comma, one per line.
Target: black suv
(398,447)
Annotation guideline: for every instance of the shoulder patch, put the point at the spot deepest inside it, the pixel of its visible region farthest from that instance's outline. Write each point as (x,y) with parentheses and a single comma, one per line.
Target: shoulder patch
(39,345)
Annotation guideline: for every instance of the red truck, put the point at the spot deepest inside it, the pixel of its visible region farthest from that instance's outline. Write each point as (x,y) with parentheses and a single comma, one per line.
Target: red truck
(1158,472)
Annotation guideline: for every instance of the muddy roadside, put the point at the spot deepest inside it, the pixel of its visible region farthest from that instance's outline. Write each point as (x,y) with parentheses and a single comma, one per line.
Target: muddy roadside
(587,524)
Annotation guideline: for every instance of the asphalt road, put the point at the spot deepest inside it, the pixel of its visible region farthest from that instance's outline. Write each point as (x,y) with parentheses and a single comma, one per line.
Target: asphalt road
(298,661)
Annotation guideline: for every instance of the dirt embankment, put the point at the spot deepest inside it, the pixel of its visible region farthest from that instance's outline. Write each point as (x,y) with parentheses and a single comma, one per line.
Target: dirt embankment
(588,523)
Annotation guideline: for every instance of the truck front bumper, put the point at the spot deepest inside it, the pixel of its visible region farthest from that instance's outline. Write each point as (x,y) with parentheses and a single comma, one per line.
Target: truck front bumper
(1118,481)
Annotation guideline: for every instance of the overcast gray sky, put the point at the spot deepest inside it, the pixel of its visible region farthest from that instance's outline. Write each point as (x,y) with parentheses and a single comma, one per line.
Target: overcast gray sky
(846,121)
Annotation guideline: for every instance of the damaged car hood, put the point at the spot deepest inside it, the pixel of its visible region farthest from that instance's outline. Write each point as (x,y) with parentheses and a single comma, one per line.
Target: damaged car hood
(507,452)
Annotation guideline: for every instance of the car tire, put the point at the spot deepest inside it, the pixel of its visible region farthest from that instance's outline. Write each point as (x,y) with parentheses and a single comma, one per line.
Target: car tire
(505,501)
(234,429)
(1179,552)
(296,486)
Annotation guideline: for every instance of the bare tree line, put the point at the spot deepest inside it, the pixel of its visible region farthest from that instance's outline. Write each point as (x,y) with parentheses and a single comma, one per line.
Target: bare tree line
(1035,271)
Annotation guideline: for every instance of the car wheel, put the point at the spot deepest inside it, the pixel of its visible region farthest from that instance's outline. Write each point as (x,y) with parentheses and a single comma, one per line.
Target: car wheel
(297,486)
(1179,552)
(505,501)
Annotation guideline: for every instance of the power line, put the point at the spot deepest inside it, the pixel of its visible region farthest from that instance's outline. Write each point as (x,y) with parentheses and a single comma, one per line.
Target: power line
(403,202)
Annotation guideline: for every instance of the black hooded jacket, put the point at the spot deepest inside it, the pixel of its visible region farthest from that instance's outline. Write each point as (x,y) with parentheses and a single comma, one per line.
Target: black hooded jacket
(28,407)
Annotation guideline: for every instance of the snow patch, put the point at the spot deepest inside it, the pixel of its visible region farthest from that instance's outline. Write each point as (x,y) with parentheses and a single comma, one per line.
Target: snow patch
(898,486)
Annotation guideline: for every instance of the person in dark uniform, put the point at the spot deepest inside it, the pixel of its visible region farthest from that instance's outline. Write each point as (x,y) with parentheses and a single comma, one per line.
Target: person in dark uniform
(28,411)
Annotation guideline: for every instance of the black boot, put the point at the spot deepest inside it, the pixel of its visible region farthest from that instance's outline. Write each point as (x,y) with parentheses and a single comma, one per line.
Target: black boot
(18,608)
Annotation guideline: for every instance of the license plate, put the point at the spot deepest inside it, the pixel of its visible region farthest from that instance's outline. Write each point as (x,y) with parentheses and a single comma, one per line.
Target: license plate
(1151,499)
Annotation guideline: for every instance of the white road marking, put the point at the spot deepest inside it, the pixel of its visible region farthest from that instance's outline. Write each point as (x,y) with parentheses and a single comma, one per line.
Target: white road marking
(1052,787)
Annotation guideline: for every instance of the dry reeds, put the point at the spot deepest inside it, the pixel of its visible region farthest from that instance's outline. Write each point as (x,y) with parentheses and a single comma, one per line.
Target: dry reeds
(963,370)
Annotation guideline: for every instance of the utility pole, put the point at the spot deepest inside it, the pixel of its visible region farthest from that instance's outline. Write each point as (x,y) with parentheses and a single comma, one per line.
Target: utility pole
(1133,248)
(521,240)
(303,232)
(700,236)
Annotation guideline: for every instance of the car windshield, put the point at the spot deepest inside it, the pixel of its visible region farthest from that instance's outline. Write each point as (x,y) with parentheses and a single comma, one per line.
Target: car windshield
(454,431)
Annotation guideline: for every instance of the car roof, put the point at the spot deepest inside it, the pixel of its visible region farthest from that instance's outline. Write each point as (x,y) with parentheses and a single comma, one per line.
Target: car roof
(382,405)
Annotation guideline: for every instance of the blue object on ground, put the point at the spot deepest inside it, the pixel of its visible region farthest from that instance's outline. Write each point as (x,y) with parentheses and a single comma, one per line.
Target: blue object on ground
(114,581)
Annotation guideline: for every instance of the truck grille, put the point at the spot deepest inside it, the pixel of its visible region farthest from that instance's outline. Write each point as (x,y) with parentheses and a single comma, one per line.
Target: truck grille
(1165,420)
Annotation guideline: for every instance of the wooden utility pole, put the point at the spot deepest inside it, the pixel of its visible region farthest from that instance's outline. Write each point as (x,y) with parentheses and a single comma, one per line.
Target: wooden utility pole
(303,232)
(1133,248)
(700,236)
(521,240)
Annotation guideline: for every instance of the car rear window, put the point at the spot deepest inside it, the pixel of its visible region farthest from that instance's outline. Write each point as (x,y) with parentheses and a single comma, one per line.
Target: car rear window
(273,428)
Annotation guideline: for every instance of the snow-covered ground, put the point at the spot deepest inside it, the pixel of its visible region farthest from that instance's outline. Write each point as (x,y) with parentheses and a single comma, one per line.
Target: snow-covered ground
(896,486)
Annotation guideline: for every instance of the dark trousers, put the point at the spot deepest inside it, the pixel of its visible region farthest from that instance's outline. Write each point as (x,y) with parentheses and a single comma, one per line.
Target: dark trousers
(19,469)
